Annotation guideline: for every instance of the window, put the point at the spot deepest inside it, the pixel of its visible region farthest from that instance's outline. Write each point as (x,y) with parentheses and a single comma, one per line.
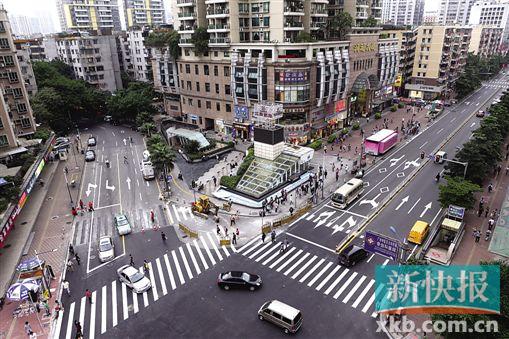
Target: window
(4,43)
(216,54)
(216,71)
(182,83)
(25,123)
(17,92)
(227,89)
(218,106)
(22,107)
(196,71)
(188,69)
(199,103)
(208,104)
(3,141)
(207,87)
(189,86)
(190,101)
(217,88)
(13,77)
(206,69)
(228,108)
(187,52)
(197,86)
(226,71)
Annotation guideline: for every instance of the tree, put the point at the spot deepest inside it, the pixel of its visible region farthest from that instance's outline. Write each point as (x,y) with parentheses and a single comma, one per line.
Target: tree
(192,147)
(49,107)
(143,117)
(370,22)
(304,37)
(173,42)
(340,25)
(148,128)
(161,155)
(200,40)
(125,105)
(458,192)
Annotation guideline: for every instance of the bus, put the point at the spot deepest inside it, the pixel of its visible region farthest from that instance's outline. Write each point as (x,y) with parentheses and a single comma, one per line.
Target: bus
(347,193)
(380,142)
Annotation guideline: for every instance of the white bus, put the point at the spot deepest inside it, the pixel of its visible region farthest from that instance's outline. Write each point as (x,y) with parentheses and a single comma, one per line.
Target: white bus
(347,193)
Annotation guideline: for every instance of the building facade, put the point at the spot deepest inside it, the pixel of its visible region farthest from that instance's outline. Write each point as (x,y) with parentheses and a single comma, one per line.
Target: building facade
(138,61)
(94,59)
(485,41)
(24,53)
(492,13)
(166,79)
(402,12)
(440,57)
(143,13)
(359,10)
(89,14)
(16,117)
(454,12)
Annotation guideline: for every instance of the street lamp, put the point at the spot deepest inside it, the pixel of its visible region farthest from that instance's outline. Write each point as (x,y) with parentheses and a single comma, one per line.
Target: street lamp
(43,281)
(68,189)
(403,243)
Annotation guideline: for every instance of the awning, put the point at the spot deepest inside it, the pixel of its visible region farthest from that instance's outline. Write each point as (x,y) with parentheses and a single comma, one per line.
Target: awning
(13,151)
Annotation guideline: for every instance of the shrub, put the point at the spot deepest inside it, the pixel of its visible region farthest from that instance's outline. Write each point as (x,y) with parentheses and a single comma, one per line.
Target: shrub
(378,115)
(345,131)
(356,126)
(230,182)
(331,138)
(401,105)
(231,144)
(316,145)
(394,108)
(42,133)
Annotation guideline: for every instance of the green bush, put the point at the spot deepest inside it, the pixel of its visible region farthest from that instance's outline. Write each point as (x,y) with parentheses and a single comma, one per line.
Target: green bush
(394,108)
(42,133)
(231,144)
(378,115)
(230,182)
(356,126)
(316,145)
(401,105)
(331,138)
(245,164)
(345,131)
(195,156)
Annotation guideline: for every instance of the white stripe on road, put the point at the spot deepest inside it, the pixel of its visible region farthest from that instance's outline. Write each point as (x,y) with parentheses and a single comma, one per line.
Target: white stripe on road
(410,210)
(193,259)
(103,310)
(385,262)
(248,244)
(272,256)
(114,303)
(82,310)
(145,295)
(254,254)
(369,303)
(354,289)
(363,294)
(124,301)
(153,281)
(268,252)
(336,282)
(170,273)
(304,267)
(311,270)
(287,262)
(186,264)
(204,263)
(69,321)
(371,257)
(212,260)
(327,278)
(161,276)
(348,282)
(286,253)
(215,247)
(176,212)
(135,303)
(316,277)
(253,247)
(177,266)
(296,264)
(171,218)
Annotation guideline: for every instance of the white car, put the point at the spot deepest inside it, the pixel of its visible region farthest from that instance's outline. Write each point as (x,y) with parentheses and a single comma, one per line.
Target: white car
(92,141)
(106,249)
(134,279)
(122,224)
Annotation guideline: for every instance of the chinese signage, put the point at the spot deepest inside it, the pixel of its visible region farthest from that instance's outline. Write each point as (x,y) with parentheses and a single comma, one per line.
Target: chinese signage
(362,48)
(377,243)
(293,76)
(340,105)
(268,112)
(456,212)
(438,289)
(241,112)
(398,81)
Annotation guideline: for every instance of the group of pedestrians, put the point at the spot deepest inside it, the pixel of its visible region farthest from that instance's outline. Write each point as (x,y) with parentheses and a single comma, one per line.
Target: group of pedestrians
(89,207)
(73,257)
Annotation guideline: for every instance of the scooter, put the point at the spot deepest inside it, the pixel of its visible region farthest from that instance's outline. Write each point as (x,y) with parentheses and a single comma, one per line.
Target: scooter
(107,164)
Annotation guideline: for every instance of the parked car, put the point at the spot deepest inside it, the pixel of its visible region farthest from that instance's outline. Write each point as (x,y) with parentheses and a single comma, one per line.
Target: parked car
(90,155)
(106,249)
(352,255)
(238,279)
(480,114)
(92,141)
(122,224)
(133,279)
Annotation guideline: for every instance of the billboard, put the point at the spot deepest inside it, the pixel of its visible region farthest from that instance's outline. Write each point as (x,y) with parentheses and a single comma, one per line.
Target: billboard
(268,111)
(241,112)
(340,105)
(383,245)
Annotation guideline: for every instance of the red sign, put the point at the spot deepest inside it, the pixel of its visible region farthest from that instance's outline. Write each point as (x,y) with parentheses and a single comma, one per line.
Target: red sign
(340,105)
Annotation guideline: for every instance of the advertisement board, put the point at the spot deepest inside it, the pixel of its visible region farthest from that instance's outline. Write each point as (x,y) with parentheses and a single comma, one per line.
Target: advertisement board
(340,105)
(383,245)
(241,112)
(268,111)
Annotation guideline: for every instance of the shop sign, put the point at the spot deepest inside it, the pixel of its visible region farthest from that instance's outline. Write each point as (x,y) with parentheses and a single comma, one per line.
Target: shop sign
(398,81)
(268,111)
(340,105)
(241,112)
(363,47)
(293,76)
(388,90)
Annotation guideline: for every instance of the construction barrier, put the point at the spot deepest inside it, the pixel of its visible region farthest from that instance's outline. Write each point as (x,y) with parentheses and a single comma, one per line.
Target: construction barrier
(289,218)
(188,231)
(225,242)
(227,207)
(266,228)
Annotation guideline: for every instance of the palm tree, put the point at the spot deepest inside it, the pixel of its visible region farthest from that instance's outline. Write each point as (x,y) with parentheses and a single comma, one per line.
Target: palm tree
(162,156)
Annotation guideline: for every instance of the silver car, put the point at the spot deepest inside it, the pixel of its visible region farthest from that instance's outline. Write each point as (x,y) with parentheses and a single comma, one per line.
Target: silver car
(90,156)
(122,224)
(106,249)
(134,279)
(92,141)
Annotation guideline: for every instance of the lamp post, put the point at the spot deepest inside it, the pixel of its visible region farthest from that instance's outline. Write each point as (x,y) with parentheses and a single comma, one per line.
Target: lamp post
(403,244)
(43,281)
(68,189)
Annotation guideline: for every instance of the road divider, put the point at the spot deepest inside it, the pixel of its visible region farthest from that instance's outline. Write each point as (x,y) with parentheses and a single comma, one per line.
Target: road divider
(191,233)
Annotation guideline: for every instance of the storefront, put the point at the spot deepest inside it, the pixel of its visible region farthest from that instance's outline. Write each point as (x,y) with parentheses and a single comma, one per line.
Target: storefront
(424,92)
(297,134)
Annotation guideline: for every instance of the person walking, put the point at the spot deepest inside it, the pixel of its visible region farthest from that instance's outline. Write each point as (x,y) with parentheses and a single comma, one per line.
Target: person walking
(273,236)
(237,232)
(88,295)
(125,160)
(131,260)
(81,204)
(477,236)
(79,333)
(90,206)
(491,223)
(65,286)
(74,212)
(70,265)
(152,216)
(71,249)
(28,328)
(490,187)
(486,212)
(78,259)
(163,237)
(234,239)
(45,305)
(263,236)
(146,267)
(218,230)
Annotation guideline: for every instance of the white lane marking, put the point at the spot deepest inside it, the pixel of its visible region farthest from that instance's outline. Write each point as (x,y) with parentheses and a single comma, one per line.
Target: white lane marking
(369,303)
(207,250)
(287,262)
(334,284)
(327,278)
(248,244)
(311,270)
(276,246)
(161,276)
(176,212)
(452,120)
(297,263)
(423,145)
(317,276)
(69,322)
(363,294)
(193,259)
(260,250)
(348,282)
(410,210)
(385,262)
(177,266)
(124,301)
(215,247)
(371,257)
(310,242)
(269,259)
(203,261)
(354,289)
(170,273)
(186,264)
(82,310)
(153,281)
(286,253)
(171,218)
(304,267)
(253,247)
(440,130)
(135,302)
(114,319)
(103,310)
(145,295)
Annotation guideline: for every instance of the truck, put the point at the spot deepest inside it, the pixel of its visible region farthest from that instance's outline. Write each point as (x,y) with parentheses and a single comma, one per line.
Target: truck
(445,237)
(380,142)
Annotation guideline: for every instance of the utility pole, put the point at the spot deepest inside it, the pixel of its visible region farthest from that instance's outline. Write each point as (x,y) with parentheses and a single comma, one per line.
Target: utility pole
(68,189)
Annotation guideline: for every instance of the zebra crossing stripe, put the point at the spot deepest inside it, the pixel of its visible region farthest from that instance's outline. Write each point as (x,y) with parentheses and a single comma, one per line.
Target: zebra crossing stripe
(186,264)
(287,253)
(363,294)
(286,263)
(354,289)
(207,250)
(260,250)
(104,310)
(124,301)
(176,212)
(153,281)
(311,270)
(69,322)
(215,247)
(135,302)
(296,264)
(203,261)
(177,266)
(248,244)
(304,267)
(145,295)
(316,277)
(334,284)
(82,310)
(271,257)
(168,267)
(338,293)
(161,276)
(324,281)
(114,303)
(193,259)
(372,299)
(170,217)
(268,252)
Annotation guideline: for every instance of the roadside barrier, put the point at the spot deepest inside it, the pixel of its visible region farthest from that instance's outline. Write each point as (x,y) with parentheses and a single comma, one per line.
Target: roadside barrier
(291,217)
(225,242)
(188,231)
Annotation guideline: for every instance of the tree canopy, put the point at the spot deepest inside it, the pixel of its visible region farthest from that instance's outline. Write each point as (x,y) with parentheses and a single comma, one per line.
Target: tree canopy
(458,192)
(304,37)
(126,104)
(200,39)
(339,26)
(160,154)
(164,38)
(370,22)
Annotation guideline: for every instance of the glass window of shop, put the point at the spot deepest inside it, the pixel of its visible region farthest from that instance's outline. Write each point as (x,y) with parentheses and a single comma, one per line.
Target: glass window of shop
(292,94)
(291,76)
(292,85)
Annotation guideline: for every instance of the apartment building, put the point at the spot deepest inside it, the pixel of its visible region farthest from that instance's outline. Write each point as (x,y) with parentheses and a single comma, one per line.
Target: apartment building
(94,58)
(485,40)
(360,10)
(88,14)
(492,13)
(402,12)
(454,12)
(24,54)
(143,13)
(138,61)
(38,49)
(166,79)
(16,117)
(440,57)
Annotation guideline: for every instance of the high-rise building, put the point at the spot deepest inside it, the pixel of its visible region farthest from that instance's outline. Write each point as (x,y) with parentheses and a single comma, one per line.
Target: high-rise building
(486,40)
(492,13)
(359,10)
(88,15)
(16,118)
(140,55)
(24,52)
(440,57)
(454,12)
(143,12)
(402,12)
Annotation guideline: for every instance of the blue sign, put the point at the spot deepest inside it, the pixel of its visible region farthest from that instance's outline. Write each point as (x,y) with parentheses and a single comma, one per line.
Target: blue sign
(456,212)
(377,243)
(241,112)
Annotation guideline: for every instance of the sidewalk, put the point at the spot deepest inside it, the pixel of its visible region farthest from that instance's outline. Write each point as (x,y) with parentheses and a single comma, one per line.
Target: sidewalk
(46,215)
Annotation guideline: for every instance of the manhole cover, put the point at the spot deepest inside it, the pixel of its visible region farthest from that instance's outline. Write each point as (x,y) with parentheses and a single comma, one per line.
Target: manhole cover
(69,222)
(24,223)
(50,198)
(55,217)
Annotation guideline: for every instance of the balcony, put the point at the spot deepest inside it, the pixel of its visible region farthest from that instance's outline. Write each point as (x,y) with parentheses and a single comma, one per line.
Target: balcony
(187,15)
(319,12)
(185,42)
(218,12)
(186,29)
(317,25)
(361,15)
(185,3)
(219,41)
(376,5)
(219,27)
(294,10)
(293,25)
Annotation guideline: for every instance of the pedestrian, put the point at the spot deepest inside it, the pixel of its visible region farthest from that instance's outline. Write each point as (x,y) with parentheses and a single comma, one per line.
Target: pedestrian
(66,170)
(65,286)
(491,222)
(73,211)
(131,139)
(237,232)
(88,295)
(125,160)
(79,333)
(131,260)
(263,236)
(215,180)
(81,204)
(218,230)
(146,267)
(481,209)
(273,236)
(286,243)
(57,309)
(71,249)
(486,212)
(477,236)
(78,259)
(488,234)
(337,175)
(163,236)
(226,231)
(90,206)
(325,149)
(152,216)
(490,187)
(325,174)
(234,239)
(28,328)
(282,248)
(45,305)
(499,168)
(232,220)
(70,265)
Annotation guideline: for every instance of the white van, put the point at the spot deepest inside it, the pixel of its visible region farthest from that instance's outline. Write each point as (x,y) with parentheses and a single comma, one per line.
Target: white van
(281,314)
(347,193)
(146,156)
(148,171)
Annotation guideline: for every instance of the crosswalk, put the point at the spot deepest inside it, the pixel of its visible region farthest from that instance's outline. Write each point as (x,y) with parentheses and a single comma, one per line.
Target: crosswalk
(340,283)
(115,302)
(497,84)
(178,214)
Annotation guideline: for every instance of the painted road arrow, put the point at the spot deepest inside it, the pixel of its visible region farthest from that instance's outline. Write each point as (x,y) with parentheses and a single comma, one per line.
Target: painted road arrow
(404,200)
(415,163)
(322,218)
(350,221)
(88,191)
(128,180)
(373,202)
(109,187)
(394,161)
(426,208)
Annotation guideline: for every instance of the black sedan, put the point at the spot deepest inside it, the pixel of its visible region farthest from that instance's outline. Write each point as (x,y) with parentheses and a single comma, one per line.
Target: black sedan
(237,279)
